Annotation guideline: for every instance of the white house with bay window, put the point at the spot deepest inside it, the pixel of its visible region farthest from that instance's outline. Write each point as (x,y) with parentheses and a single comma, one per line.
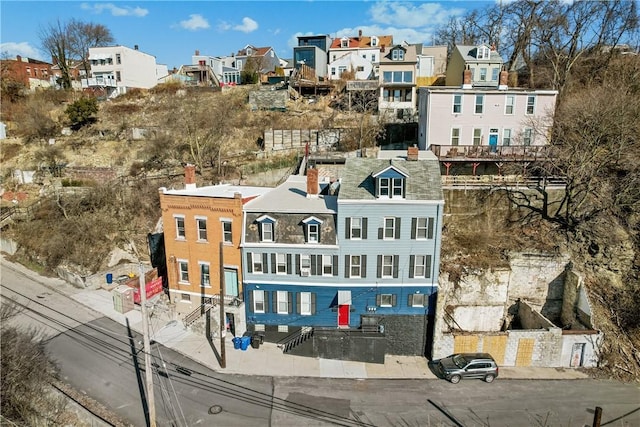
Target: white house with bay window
(493,117)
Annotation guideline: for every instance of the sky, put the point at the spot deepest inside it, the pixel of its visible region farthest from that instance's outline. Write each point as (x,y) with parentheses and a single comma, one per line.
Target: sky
(173,30)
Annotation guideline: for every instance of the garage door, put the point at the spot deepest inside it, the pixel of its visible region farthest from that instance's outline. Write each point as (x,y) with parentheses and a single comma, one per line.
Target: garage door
(496,346)
(525,351)
(465,344)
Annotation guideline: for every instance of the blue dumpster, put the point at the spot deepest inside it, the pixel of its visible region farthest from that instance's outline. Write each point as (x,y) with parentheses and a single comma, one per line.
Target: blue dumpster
(245,343)
(109,278)
(237,342)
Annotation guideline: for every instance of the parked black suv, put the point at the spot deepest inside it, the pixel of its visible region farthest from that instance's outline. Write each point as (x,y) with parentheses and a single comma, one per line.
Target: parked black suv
(468,365)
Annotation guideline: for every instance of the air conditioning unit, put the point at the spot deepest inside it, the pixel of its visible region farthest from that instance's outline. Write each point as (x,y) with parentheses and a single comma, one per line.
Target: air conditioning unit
(305,272)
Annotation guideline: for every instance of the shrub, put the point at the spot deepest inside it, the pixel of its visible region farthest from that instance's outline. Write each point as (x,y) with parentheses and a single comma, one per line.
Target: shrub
(82,112)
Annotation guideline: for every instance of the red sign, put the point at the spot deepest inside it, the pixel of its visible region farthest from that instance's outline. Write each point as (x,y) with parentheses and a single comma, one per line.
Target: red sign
(153,287)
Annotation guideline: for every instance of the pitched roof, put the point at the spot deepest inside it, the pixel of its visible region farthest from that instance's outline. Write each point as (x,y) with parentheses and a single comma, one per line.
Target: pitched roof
(363,42)
(422,183)
(255,51)
(469,53)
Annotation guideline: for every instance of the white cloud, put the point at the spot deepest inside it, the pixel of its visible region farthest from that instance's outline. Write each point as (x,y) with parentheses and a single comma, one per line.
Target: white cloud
(224,26)
(413,15)
(115,10)
(24,49)
(248,25)
(194,23)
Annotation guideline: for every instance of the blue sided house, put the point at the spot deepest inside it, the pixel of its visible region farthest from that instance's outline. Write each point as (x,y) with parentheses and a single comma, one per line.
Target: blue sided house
(347,268)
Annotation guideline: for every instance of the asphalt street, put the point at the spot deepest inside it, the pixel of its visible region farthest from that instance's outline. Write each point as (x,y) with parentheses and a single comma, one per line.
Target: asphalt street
(102,358)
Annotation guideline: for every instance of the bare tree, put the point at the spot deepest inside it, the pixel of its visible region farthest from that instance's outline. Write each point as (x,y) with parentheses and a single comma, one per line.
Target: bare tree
(66,41)
(594,148)
(55,40)
(84,35)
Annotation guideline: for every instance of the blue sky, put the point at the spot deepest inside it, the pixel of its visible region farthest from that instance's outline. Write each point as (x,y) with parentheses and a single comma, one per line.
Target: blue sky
(173,30)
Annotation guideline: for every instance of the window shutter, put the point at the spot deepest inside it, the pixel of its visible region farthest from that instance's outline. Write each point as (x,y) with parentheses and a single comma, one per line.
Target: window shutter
(265,296)
(250,308)
(347,266)
(297,263)
(265,262)
(313,303)
(363,267)
(249,263)
(274,301)
(298,302)
(396,259)
(364,228)
(288,263)
(289,302)
(380,233)
(410,300)
(430,229)
(379,267)
(335,265)
(347,228)
(427,272)
(273,263)
(394,299)
(412,264)
(413,228)
(378,299)
(313,265)
(397,232)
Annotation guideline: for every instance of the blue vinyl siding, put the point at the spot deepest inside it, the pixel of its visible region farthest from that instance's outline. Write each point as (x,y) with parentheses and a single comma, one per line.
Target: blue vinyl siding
(363,301)
(403,247)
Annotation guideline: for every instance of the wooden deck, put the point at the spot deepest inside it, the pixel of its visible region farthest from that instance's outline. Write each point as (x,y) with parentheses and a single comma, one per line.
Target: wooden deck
(499,153)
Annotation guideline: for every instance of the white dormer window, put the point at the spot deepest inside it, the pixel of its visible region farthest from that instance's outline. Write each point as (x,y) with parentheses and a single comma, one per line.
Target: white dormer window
(397,55)
(249,51)
(374,41)
(483,52)
(266,228)
(390,183)
(312,229)
(344,42)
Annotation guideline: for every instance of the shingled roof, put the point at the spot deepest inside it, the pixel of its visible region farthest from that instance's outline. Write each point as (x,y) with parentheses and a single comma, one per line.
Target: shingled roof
(422,183)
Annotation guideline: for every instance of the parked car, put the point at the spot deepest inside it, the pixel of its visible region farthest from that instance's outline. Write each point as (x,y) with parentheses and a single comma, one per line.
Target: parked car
(468,365)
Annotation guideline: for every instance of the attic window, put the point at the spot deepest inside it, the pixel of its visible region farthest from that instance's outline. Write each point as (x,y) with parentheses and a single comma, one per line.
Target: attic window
(374,41)
(266,228)
(390,184)
(249,51)
(312,229)
(344,42)
(483,52)
(397,55)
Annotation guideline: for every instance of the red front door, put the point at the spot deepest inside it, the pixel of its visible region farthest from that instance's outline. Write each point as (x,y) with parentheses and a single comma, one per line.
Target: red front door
(343,315)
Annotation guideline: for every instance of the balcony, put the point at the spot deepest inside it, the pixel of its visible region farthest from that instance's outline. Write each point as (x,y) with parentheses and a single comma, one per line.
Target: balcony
(99,82)
(512,153)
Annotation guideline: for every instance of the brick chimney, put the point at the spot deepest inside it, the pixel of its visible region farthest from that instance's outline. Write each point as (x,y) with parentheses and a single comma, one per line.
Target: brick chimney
(504,80)
(312,182)
(359,34)
(466,79)
(190,177)
(412,153)
(197,52)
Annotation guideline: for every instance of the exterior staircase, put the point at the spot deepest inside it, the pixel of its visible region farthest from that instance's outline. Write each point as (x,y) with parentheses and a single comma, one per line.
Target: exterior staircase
(296,339)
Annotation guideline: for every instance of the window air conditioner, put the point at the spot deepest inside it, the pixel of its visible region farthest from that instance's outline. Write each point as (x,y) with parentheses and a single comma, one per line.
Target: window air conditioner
(305,272)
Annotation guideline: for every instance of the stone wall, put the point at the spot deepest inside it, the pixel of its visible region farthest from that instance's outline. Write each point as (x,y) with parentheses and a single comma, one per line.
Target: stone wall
(287,140)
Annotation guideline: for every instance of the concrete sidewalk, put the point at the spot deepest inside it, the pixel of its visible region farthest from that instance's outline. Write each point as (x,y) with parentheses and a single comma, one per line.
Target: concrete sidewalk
(269,360)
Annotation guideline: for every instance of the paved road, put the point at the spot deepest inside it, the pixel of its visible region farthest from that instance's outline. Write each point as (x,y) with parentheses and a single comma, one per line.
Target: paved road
(96,355)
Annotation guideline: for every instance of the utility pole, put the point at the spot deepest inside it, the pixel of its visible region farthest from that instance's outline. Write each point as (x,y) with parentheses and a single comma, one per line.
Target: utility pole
(147,350)
(223,321)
